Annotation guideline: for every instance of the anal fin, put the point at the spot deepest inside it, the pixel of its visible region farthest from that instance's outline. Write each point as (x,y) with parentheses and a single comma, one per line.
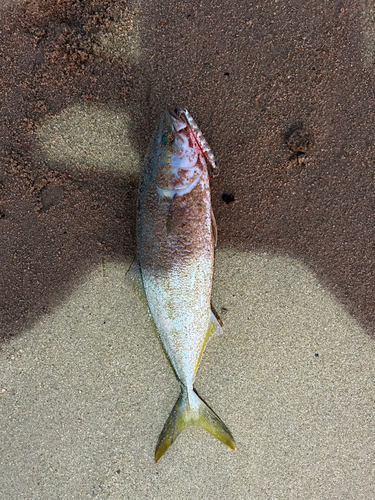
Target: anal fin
(214,328)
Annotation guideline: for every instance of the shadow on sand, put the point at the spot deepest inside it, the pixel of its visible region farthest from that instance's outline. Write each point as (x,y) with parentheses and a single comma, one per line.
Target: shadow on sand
(59,219)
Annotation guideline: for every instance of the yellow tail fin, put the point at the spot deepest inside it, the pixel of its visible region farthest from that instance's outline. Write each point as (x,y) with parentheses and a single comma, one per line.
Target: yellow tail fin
(191,411)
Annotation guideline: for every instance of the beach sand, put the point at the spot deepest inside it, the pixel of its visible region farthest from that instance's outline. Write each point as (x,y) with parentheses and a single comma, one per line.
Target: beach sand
(283,93)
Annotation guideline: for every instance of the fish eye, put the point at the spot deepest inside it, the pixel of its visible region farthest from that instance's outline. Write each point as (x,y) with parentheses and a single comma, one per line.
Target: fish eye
(168,138)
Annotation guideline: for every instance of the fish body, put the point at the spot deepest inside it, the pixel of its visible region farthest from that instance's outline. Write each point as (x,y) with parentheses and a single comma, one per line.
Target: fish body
(176,235)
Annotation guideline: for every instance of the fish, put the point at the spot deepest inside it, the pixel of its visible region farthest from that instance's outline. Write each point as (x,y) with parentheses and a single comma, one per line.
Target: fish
(176,238)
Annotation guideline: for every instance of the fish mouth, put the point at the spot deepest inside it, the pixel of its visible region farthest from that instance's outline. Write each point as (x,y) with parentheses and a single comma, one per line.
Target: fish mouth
(178,118)
(180,173)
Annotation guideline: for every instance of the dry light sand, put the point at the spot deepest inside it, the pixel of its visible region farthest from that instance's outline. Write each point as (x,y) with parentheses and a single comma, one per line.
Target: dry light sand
(85,394)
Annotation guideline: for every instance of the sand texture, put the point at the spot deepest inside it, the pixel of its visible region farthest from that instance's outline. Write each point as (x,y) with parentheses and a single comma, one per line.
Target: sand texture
(283,92)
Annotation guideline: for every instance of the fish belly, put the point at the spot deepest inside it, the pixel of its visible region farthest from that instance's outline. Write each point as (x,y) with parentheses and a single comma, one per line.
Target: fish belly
(179,302)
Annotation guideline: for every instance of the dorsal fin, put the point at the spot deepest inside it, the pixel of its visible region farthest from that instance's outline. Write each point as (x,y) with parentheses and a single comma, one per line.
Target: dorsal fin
(214,227)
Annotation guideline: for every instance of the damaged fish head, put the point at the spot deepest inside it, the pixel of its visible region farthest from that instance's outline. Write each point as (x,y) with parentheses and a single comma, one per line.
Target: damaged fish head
(179,160)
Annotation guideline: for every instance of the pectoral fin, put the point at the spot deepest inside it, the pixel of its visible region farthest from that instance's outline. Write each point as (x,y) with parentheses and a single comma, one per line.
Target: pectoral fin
(135,276)
(176,215)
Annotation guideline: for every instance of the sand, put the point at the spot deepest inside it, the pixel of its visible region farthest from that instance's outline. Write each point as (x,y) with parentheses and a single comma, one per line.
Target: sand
(85,386)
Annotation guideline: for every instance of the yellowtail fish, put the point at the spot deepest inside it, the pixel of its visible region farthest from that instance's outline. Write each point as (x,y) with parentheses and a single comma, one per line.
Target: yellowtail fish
(176,235)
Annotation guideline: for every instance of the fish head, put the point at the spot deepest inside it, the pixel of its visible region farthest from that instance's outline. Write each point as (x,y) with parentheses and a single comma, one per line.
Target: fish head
(179,160)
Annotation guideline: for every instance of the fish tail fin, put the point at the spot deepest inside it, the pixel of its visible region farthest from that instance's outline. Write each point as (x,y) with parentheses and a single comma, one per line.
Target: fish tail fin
(191,410)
